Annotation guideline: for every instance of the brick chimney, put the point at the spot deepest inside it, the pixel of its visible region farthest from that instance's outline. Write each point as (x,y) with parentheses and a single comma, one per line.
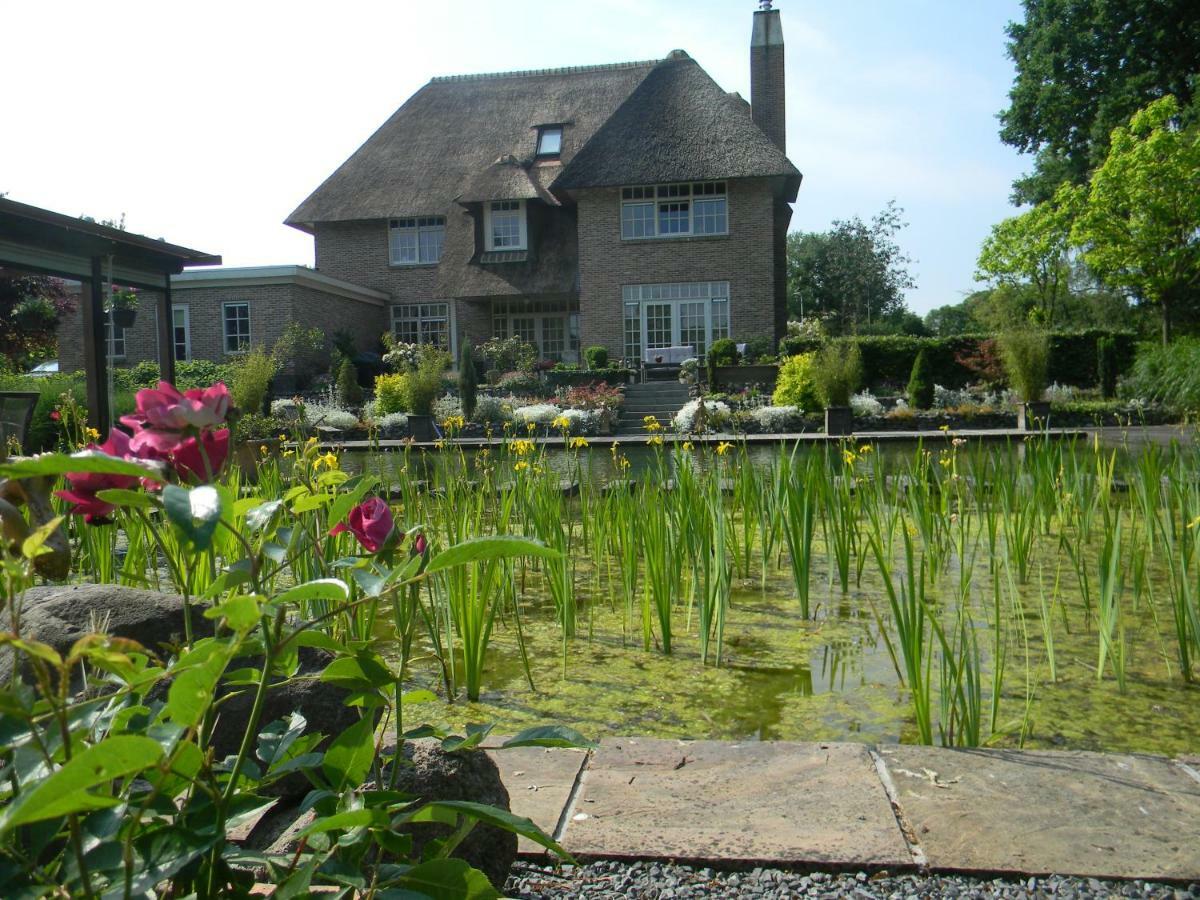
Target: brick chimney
(766,75)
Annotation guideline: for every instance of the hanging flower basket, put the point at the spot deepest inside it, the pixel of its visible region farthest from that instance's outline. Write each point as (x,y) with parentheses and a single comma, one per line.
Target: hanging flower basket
(124,318)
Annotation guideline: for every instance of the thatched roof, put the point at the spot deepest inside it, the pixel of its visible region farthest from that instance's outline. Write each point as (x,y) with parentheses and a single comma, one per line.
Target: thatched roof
(453,129)
(505,179)
(677,125)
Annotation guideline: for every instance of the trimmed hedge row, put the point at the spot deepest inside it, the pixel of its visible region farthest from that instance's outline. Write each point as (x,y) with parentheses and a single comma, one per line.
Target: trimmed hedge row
(888,359)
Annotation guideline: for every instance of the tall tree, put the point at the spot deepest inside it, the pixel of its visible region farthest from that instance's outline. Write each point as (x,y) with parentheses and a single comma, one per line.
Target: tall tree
(1033,248)
(854,274)
(1083,68)
(1140,224)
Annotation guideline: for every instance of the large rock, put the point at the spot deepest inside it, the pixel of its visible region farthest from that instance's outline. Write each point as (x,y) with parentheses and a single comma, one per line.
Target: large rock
(468,775)
(322,705)
(59,615)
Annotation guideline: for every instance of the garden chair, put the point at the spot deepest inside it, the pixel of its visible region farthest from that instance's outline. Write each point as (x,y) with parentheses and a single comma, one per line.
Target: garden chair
(16,412)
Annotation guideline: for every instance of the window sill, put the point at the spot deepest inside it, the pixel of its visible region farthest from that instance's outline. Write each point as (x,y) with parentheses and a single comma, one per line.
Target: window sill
(684,238)
(392,265)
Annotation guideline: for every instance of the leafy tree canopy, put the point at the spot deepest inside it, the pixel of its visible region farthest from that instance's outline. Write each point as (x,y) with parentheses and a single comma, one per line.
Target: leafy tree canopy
(853,275)
(1139,225)
(1083,68)
(1032,249)
(30,309)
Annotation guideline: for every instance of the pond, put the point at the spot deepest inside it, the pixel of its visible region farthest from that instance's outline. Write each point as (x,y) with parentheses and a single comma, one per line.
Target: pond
(1042,595)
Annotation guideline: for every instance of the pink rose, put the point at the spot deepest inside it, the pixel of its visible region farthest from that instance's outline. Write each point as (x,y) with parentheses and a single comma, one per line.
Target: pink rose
(165,409)
(199,459)
(370,522)
(85,485)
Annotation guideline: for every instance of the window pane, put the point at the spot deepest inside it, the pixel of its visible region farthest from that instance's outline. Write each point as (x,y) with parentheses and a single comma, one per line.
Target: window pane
(692,327)
(550,142)
(506,230)
(673,218)
(404,245)
(658,325)
(553,337)
(637,220)
(431,238)
(633,331)
(179,333)
(709,217)
(237,327)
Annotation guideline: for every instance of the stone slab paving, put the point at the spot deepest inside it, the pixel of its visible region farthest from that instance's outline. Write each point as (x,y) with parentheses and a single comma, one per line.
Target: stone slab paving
(539,783)
(1034,812)
(778,802)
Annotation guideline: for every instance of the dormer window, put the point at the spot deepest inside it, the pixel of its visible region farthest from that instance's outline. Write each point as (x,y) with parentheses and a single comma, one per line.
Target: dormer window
(504,225)
(549,142)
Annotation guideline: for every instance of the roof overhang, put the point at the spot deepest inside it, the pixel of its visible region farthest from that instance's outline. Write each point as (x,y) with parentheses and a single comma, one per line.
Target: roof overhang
(40,240)
(258,276)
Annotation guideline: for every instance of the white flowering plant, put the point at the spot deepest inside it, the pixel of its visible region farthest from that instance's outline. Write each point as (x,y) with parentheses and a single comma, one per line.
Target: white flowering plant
(716,415)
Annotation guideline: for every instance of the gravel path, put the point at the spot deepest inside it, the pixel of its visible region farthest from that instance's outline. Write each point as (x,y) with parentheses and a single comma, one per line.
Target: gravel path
(663,881)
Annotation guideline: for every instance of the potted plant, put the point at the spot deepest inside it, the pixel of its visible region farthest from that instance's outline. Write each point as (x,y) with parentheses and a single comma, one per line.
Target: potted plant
(1026,357)
(424,385)
(836,377)
(122,307)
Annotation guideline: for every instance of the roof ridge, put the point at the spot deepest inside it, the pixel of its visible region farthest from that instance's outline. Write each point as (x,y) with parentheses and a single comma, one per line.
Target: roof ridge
(563,70)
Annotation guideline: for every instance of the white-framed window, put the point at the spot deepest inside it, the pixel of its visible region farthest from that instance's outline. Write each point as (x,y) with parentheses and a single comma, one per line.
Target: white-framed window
(181,332)
(549,142)
(682,314)
(551,326)
(504,225)
(416,241)
(235,317)
(114,336)
(674,210)
(424,323)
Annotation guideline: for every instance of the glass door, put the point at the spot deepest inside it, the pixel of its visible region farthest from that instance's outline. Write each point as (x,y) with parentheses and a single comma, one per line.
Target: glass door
(660,325)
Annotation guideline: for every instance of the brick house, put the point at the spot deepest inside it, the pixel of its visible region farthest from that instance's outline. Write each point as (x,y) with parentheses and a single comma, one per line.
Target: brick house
(632,205)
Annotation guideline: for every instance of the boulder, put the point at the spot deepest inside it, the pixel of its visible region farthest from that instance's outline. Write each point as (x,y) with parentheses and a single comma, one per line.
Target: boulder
(435,774)
(59,615)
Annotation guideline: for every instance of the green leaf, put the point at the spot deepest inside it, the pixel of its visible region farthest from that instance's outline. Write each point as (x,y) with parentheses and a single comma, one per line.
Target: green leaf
(311,501)
(66,791)
(355,818)
(550,736)
(198,529)
(191,692)
(491,547)
(33,648)
(261,515)
(86,461)
(474,737)
(34,544)
(441,810)
(448,879)
(241,612)
(365,668)
(276,739)
(321,589)
(349,757)
(125,497)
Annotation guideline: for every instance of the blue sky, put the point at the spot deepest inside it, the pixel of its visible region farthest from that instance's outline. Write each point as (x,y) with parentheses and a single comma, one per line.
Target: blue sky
(208,125)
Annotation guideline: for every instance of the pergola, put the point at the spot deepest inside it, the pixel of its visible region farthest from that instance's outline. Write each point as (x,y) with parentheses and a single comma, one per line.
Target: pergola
(39,241)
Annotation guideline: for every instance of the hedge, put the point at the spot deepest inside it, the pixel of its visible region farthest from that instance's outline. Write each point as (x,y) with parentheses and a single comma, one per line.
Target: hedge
(888,359)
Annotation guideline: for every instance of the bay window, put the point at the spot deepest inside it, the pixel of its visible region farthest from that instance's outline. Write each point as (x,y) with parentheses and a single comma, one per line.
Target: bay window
(423,323)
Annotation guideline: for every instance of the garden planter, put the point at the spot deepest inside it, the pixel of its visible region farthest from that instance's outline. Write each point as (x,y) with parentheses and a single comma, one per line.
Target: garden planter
(124,318)
(839,420)
(420,428)
(745,376)
(1034,416)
